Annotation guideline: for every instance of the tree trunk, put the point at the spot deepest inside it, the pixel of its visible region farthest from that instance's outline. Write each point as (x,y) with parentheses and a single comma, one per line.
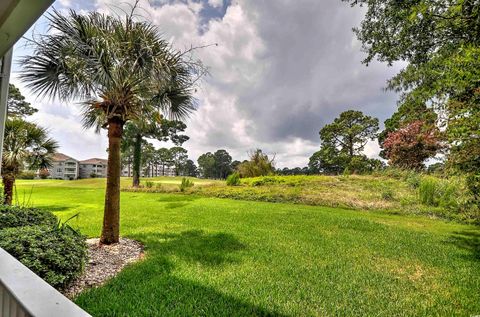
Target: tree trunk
(163,169)
(8,183)
(111,214)
(137,160)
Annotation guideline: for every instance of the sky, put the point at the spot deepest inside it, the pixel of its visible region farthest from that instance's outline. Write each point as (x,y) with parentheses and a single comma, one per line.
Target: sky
(280,71)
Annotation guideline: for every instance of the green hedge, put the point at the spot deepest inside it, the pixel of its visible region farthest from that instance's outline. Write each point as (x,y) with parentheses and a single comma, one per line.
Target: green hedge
(54,251)
(19,217)
(56,254)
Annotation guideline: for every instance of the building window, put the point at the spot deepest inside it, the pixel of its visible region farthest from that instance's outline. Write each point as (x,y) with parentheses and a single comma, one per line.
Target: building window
(59,170)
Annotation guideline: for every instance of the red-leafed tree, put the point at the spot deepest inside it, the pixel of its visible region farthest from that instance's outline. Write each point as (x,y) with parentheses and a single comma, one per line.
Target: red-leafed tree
(410,146)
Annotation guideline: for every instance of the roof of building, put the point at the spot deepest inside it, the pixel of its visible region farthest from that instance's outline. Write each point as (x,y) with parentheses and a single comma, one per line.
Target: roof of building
(60,157)
(94,160)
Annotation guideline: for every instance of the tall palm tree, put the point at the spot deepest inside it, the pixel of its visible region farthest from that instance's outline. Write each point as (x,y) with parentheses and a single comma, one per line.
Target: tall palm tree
(121,70)
(26,145)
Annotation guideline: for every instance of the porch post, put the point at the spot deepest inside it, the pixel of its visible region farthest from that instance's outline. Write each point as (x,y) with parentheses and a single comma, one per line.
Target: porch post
(6,64)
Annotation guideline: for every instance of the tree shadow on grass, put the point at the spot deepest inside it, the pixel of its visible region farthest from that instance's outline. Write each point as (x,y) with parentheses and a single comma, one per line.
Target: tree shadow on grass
(194,246)
(153,287)
(177,198)
(56,208)
(468,240)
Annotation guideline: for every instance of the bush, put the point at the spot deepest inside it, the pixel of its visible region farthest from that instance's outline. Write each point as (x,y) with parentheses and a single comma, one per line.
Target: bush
(93,175)
(26,175)
(233,179)
(267,180)
(447,193)
(186,183)
(413,179)
(427,191)
(43,173)
(55,253)
(149,184)
(20,217)
(387,194)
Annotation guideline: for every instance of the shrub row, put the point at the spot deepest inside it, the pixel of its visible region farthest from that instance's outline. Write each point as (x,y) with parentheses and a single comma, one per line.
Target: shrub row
(55,252)
(11,216)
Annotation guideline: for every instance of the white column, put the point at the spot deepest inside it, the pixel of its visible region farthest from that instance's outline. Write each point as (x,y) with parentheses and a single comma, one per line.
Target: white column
(4,80)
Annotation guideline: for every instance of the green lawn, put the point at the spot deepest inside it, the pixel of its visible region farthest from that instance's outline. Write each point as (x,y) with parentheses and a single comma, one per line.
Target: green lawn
(209,256)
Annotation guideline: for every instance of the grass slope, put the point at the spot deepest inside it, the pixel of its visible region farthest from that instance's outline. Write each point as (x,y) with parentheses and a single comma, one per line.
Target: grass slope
(221,257)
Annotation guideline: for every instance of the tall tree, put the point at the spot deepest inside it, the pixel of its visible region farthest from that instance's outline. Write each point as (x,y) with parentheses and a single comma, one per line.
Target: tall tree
(17,106)
(165,158)
(179,158)
(121,70)
(343,142)
(440,40)
(206,165)
(25,145)
(189,169)
(223,162)
(350,132)
(258,165)
(154,128)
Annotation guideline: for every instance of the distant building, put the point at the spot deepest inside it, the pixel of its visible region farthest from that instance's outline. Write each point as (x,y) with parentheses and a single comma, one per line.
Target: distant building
(64,167)
(94,167)
(149,171)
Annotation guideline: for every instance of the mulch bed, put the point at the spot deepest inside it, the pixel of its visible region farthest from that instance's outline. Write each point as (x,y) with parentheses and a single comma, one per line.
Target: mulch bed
(105,262)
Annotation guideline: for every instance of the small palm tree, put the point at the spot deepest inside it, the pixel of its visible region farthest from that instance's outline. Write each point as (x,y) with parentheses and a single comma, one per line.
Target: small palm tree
(26,145)
(121,70)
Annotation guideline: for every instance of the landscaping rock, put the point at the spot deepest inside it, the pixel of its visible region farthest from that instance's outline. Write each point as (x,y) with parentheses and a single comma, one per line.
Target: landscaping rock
(105,262)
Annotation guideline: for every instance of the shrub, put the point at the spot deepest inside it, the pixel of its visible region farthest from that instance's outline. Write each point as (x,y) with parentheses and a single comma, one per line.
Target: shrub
(387,194)
(43,173)
(93,175)
(447,193)
(186,183)
(20,217)
(26,175)
(55,253)
(233,179)
(413,179)
(267,180)
(148,184)
(426,191)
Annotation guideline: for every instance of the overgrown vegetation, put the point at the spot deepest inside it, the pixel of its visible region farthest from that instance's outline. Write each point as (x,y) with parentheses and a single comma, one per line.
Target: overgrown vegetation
(54,251)
(186,183)
(233,179)
(391,191)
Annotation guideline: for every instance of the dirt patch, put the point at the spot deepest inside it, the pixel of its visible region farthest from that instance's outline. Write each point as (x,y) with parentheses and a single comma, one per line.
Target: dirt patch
(104,262)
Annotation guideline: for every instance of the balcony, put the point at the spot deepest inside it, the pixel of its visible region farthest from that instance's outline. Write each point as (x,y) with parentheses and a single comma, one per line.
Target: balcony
(22,293)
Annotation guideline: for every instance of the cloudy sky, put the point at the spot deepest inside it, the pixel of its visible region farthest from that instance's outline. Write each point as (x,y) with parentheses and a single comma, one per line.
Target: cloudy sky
(282,69)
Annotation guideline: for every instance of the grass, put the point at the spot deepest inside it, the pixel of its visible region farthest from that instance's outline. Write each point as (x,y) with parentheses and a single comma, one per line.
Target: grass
(404,194)
(209,256)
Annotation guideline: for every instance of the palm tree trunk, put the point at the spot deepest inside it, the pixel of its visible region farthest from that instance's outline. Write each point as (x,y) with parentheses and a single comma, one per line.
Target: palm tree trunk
(111,215)
(137,160)
(8,183)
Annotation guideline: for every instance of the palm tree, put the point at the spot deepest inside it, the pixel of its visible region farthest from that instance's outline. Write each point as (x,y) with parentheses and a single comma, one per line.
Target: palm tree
(25,145)
(121,70)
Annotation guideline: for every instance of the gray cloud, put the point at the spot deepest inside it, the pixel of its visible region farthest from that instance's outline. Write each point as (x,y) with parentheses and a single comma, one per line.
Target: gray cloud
(282,69)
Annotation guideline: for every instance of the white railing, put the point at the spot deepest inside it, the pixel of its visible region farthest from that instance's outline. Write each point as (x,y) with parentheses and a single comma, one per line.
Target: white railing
(23,293)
